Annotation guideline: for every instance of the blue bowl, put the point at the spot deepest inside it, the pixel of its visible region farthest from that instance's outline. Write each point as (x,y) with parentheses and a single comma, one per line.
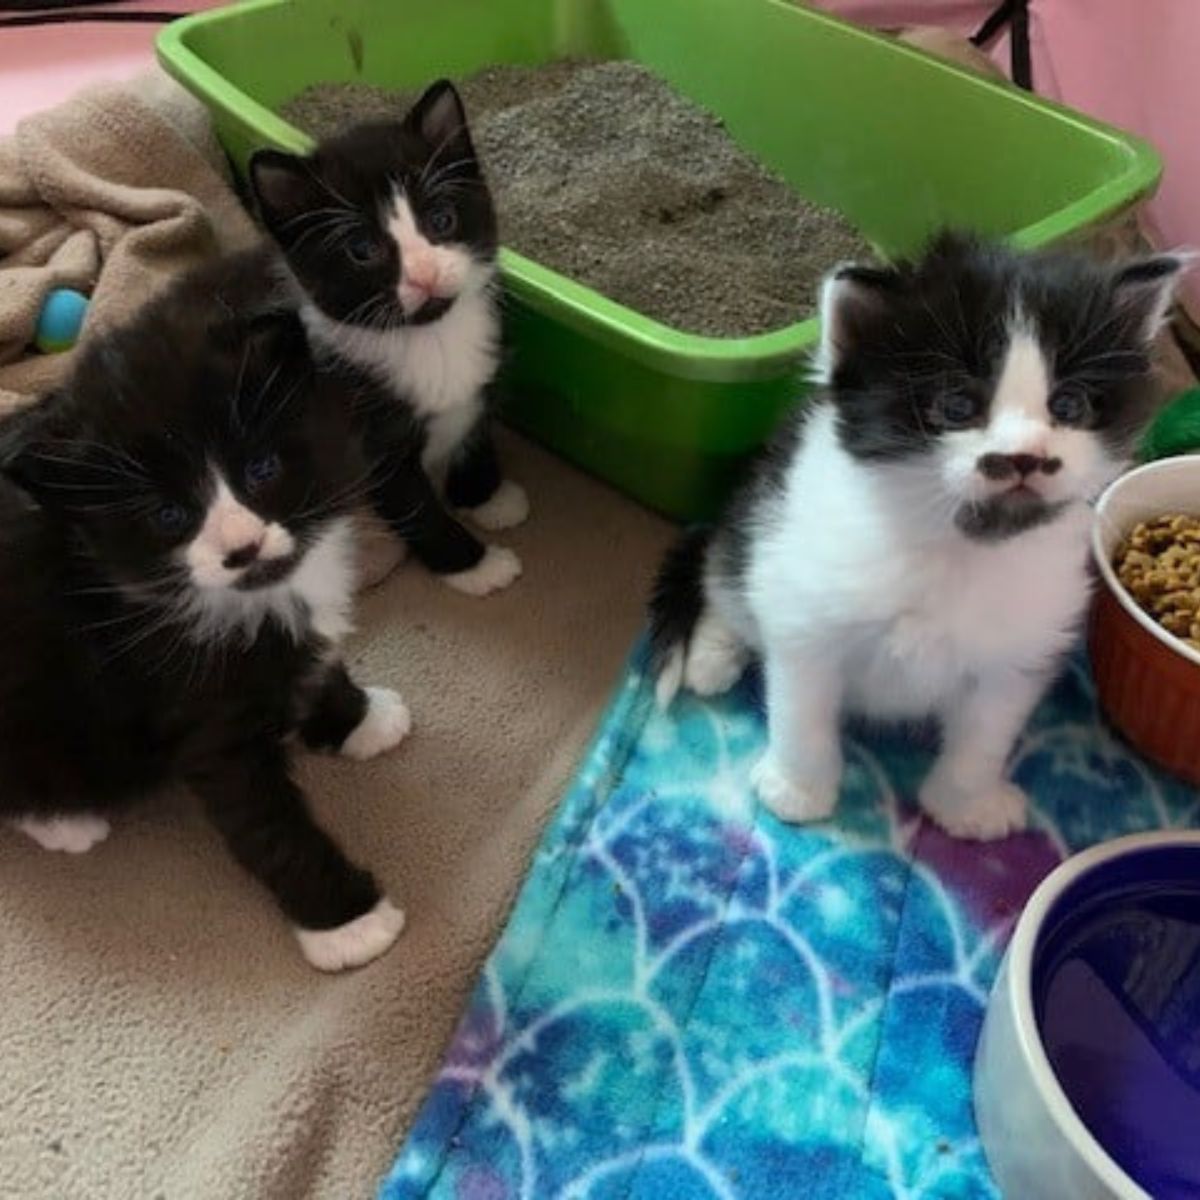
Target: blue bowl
(1116,995)
(1088,1073)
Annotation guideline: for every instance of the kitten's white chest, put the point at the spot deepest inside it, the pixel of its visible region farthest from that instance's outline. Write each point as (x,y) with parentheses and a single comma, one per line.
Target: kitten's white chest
(440,369)
(443,369)
(971,610)
(909,618)
(445,365)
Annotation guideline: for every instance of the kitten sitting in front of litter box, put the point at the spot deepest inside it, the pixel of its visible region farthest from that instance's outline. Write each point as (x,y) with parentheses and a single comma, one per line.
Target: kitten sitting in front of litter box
(390,232)
(174,582)
(914,542)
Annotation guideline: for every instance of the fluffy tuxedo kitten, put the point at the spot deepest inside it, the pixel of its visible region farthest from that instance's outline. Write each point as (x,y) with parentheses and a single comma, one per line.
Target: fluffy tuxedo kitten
(390,234)
(915,542)
(174,582)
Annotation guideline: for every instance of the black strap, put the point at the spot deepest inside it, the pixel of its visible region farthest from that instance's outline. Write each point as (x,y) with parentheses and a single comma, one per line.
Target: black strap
(34,5)
(1015,14)
(85,16)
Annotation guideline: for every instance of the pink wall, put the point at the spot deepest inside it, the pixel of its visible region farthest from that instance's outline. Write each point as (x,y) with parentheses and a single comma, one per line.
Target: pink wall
(1129,62)
(1134,63)
(40,66)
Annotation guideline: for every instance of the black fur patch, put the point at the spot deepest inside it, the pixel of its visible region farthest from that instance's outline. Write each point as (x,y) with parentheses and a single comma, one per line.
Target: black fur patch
(678,596)
(1005,516)
(336,711)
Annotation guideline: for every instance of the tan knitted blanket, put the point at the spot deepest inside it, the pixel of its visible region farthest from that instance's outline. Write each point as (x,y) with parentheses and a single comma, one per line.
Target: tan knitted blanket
(111,193)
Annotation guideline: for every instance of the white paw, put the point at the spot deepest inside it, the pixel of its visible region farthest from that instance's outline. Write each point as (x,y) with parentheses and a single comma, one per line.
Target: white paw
(713,666)
(670,678)
(355,943)
(383,726)
(72,835)
(508,506)
(980,815)
(791,801)
(495,570)
(716,657)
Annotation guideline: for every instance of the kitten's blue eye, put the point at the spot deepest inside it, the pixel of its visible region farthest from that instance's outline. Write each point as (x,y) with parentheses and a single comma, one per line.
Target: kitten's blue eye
(364,248)
(262,470)
(958,408)
(1069,406)
(172,518)
(442,221)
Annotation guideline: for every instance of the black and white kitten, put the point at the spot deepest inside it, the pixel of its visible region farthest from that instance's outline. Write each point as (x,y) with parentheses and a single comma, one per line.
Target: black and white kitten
(915,542)
(174,582)
(390,232)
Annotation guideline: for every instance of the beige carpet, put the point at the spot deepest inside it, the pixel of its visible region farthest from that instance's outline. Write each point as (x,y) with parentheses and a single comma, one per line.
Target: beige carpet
(160,1035)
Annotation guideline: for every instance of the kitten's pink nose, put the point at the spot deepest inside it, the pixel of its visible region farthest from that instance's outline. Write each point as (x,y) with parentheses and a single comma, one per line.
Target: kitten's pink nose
(239,532)
(421,274)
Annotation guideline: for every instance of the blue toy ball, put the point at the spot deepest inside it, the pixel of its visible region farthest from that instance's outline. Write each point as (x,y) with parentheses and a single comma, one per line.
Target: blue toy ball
(60,320)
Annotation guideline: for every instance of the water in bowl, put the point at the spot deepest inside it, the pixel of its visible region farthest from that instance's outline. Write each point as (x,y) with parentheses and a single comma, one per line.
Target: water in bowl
(1117,995)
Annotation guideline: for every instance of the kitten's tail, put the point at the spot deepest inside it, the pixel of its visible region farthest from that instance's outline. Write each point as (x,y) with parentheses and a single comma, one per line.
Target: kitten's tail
(676,605)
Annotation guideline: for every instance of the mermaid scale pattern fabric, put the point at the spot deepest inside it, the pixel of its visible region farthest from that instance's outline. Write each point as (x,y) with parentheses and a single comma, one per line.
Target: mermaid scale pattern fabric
(693,1000)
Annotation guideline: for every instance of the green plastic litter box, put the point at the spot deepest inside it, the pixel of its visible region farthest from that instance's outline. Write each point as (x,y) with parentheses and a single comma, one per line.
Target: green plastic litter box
(900,142)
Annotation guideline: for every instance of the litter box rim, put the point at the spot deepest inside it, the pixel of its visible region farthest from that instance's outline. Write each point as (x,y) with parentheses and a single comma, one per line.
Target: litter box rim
(624,329)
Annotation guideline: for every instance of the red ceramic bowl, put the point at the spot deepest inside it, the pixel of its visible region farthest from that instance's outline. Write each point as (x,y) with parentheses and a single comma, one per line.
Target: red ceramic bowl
(1147,679)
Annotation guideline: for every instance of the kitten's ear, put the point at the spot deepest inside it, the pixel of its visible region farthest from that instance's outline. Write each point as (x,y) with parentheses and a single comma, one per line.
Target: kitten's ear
(272,355)
(277,338)
(951,246)
(37,455)
(851,297)
(284,187)
(1146,288)
(439,117)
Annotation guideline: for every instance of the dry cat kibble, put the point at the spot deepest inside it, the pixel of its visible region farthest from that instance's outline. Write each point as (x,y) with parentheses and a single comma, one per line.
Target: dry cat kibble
(602,171)
(1159,565)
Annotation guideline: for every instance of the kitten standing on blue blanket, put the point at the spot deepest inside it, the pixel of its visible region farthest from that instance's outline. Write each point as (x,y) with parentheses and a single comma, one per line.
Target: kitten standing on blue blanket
(915,541)
(389,231)
(174,582)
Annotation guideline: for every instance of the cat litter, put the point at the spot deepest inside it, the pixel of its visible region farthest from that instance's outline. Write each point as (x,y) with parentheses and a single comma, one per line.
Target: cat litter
(603,172)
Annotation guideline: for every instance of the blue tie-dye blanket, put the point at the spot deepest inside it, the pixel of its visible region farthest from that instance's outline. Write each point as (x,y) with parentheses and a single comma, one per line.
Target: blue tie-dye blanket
(694,1000)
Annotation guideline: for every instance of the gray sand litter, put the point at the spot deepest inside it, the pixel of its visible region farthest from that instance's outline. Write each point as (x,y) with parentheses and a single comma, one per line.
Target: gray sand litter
(603,172)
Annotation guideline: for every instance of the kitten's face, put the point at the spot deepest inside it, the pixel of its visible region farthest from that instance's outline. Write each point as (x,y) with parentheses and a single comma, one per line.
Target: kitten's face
(202,466)
(1015,384)
(387,224)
